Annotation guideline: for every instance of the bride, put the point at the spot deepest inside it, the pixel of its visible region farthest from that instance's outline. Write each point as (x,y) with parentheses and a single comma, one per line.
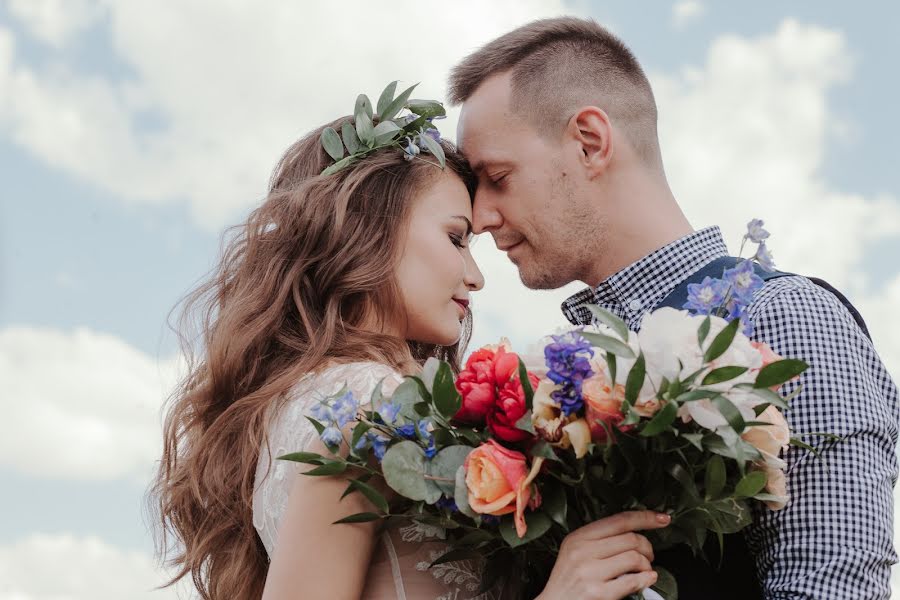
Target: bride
(345,278)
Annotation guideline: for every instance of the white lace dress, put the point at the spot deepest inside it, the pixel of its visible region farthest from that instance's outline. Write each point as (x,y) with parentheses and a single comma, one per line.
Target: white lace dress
(399,567)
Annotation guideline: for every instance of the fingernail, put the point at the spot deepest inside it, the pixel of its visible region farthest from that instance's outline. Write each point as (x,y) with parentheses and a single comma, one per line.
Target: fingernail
(663,518)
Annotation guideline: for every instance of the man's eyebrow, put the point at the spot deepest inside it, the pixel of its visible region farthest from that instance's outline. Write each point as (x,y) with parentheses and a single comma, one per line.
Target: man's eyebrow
(468,223)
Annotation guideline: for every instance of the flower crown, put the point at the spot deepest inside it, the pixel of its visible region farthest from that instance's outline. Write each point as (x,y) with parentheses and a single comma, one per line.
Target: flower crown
(412,132)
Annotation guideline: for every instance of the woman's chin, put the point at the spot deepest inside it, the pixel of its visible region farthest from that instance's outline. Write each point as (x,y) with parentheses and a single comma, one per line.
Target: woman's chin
(446,336)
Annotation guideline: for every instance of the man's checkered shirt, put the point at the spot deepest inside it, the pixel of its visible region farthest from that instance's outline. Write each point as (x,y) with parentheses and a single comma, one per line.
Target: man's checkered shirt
(834,538)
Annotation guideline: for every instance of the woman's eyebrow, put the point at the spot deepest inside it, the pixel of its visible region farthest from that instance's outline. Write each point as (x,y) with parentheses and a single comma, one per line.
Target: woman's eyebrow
(468,223)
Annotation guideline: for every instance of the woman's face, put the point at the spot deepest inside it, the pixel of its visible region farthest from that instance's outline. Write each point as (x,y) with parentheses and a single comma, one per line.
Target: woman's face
(436,272)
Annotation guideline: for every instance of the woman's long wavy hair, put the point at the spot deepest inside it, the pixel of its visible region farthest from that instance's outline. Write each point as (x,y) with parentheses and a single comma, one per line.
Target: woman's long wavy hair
(299,285)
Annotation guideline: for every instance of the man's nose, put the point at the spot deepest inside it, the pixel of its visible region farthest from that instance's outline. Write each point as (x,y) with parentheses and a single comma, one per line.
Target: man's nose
(485,216)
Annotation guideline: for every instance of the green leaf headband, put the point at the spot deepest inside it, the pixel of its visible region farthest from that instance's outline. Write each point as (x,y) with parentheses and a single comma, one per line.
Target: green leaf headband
(412,132)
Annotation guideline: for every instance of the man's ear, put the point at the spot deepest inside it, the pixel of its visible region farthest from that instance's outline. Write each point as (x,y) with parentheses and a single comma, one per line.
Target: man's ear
(590,128)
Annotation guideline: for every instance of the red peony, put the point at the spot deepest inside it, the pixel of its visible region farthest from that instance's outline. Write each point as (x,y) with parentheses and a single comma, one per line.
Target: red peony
(509,408)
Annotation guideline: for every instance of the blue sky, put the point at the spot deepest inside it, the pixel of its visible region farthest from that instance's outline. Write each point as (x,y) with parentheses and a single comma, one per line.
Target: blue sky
(127,144)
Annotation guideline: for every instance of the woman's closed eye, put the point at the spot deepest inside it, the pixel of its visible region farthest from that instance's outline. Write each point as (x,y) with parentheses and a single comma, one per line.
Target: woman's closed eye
(460,241)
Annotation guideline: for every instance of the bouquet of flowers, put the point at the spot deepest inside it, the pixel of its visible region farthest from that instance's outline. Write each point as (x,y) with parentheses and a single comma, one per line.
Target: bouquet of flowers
(681,418)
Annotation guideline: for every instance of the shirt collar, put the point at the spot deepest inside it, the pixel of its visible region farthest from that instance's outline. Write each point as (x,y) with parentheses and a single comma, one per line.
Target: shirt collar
(639,287)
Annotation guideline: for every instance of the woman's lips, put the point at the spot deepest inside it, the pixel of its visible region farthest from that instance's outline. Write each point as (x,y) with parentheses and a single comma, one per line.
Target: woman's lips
(463,305)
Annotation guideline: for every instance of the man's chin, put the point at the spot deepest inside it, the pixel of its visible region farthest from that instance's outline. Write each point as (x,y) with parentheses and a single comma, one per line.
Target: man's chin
(541,279)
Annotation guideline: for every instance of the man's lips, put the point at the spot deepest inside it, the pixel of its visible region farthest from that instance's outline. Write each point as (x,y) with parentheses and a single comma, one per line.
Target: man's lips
(508,247)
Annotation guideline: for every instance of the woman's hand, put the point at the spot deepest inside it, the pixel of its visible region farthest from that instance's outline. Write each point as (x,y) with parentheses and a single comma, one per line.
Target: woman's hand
(606,559)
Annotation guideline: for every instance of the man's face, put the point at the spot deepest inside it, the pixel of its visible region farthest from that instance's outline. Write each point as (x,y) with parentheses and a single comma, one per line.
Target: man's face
(527,196)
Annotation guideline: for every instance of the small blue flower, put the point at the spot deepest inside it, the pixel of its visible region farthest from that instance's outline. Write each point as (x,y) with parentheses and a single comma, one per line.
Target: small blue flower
(764,257)
(755,231)
(432,133)
(332,436)
(744,281)
(408,431)
(389,412)
(344,409)
(426,436)
(379,447)
(412,150)
(448,503)
(706,296)
(322,412)
(738,310)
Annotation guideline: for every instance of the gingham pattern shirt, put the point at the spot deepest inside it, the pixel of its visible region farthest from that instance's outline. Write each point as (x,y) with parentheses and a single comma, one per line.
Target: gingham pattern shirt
(834,538)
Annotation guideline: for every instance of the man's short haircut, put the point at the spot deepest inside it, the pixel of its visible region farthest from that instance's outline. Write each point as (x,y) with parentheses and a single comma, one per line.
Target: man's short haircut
(560,65)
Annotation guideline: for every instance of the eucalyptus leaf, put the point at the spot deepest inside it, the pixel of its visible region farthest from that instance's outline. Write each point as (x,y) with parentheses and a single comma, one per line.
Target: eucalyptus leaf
(344,162)
(555,505)
(363,106)
(429,372)
(444,466)
(404,471)
(385,132)
(435,149)
(537,522)
(386,97)
(722,342)
(331,141)
(461,493)
(365,129)
(396,105)
(609,344)
(610,320)
(429,109)
(351,140)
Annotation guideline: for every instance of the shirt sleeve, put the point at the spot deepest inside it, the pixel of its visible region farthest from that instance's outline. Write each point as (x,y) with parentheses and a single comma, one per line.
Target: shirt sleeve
(834,538)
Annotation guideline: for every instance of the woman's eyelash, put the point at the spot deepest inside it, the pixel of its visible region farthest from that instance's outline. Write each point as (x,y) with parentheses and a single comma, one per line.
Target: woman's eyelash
(457,241)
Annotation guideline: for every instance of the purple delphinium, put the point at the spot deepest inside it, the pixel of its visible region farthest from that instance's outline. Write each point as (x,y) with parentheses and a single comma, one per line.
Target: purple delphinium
(344,409)
(332,436)
(568,360)
(389,412)
(744,281)
(764,257)
(707,296)
(376,440)
(448,503)
(407,430)
(755,231)
(427,437)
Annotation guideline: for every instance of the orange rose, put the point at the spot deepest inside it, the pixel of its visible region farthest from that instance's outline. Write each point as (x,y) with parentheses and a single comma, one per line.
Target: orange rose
(499,482)
(602,404)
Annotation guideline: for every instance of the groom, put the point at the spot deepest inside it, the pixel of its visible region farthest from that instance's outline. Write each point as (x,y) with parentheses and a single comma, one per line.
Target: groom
(559,122)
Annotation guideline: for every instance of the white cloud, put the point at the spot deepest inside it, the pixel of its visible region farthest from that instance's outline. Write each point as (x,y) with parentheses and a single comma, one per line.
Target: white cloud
(80,405)
(687,11)
(55,21)
(67,567)
(745,135)
(233,84)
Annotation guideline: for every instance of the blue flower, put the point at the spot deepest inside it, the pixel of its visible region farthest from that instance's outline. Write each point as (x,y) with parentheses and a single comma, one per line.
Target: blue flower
(764,257)
(755,231)
(407,431)
(426,436)
(411,150)
(332,436)
(707,296)
(448,503)
(432,133)
(322,412)
(344,409)
(389,412)
(378,442)
(568,361)
(738,310)
(744,281)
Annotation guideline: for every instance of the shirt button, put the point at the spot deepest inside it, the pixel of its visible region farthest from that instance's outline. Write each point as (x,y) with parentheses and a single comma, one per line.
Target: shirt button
(635,305)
